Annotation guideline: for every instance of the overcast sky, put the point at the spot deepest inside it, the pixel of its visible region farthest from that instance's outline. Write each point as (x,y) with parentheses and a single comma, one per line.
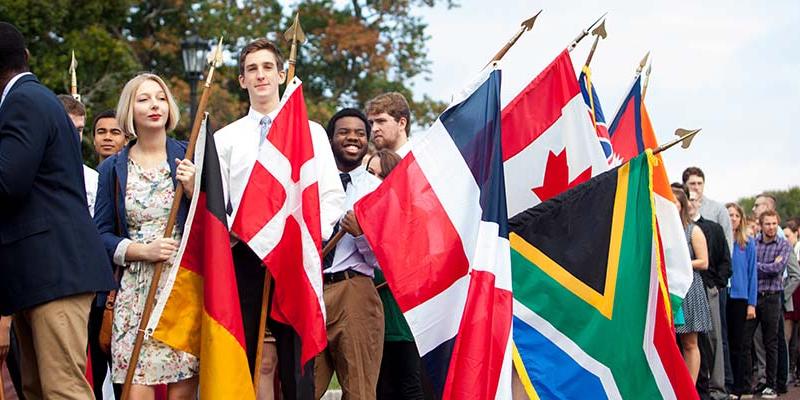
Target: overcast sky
(731,68)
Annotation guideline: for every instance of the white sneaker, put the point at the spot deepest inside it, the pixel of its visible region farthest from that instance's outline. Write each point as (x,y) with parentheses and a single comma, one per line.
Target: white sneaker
(769,393)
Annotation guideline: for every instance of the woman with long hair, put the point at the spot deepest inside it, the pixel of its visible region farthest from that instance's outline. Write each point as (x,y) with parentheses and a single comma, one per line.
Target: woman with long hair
(741,307)
(135,194)
(694,316)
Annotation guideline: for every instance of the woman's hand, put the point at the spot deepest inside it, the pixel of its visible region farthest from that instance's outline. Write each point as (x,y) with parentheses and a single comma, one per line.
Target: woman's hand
(159,250)
(185,175)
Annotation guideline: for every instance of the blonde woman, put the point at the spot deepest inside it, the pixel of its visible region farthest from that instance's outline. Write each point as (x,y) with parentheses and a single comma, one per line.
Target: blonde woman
(135,193)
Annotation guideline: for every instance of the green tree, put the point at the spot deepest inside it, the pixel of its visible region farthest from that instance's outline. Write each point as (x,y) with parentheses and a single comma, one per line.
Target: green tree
(788,202)
(355,50)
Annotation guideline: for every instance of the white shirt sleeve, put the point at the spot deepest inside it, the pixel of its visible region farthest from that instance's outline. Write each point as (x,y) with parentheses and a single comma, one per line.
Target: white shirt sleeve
(331,194)
(119,253)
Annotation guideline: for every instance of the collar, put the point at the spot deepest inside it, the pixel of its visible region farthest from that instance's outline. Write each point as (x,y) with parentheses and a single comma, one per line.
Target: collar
(760,239)
(356,172)
(256,116)
(11,84)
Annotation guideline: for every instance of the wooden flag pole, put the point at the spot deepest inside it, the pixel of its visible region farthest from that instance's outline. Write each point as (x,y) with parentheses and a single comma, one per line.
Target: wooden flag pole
(524,27)
(214,62)
(294,35)
(584,33)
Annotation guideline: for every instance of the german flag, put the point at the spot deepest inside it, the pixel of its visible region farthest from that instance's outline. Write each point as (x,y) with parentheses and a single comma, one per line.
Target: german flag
(202,315)
(589,316)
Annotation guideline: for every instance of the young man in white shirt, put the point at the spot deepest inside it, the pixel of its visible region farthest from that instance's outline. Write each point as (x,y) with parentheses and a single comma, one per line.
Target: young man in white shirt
(260,73)
(390,119)
(77,114)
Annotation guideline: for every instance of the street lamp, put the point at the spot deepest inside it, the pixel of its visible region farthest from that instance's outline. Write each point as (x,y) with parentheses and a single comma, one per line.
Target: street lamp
(194,51)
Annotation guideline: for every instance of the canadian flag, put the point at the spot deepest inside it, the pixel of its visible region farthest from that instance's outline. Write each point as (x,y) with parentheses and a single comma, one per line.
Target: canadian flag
(549,141)
(279,219)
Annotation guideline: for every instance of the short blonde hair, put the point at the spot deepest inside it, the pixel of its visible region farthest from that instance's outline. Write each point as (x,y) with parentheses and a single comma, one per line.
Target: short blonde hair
(127,98)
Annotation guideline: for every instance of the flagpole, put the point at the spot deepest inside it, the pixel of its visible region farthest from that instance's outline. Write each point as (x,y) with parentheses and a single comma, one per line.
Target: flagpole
(524,27)
(584,33)
(214,63)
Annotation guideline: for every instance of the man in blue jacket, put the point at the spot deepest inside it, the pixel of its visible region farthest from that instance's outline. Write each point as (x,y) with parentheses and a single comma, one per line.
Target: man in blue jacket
(52,261)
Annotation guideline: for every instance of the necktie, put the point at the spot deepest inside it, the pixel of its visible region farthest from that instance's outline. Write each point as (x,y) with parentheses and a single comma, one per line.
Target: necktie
(345,177)
(263,128)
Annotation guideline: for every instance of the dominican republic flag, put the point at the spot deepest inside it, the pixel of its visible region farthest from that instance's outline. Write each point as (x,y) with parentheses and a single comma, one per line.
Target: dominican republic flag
(549,143)
(439,229)
(279,219)
(592,100)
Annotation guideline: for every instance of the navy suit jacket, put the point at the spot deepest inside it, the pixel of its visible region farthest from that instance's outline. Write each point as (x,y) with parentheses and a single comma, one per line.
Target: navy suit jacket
(49,247)
(115,168)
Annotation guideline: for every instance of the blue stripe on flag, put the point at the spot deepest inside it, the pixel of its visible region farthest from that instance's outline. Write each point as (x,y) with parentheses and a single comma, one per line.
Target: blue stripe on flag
(474,125)
(436,363)
(635,96)
(554,374)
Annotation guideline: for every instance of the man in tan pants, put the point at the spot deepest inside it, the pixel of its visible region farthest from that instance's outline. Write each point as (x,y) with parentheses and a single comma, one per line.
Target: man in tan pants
(353,308)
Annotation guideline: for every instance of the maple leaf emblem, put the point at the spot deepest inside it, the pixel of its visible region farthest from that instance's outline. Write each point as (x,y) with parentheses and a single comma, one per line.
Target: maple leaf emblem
(556,177)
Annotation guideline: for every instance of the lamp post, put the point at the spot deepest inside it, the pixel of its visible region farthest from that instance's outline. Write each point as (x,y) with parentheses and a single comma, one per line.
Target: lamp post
(194,51)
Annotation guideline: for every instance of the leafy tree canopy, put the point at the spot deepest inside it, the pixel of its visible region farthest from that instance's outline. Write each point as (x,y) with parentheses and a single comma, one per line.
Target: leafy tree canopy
(355,50)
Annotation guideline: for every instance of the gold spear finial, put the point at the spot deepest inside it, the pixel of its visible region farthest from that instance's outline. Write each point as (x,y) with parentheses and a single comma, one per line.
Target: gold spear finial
(646,79)
(73,85)
(642,63)
(585,33)
(524,27)
(214,62)
(599,32)
(294,35)
(685,137)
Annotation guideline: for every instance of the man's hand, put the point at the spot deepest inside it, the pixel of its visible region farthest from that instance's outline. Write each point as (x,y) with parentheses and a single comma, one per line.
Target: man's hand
(5,338)
(350,224)
(751,312)
(778,258)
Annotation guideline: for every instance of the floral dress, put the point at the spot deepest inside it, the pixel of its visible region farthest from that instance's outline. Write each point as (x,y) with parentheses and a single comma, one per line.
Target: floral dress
(148,198)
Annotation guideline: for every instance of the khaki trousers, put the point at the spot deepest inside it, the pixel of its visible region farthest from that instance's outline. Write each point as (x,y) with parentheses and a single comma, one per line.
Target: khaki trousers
(355,339)
(52,340)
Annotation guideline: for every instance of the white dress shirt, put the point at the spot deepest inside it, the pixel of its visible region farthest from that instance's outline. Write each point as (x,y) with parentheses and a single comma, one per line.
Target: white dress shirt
(90,180)
(10,84)
(237,146)
(354,253)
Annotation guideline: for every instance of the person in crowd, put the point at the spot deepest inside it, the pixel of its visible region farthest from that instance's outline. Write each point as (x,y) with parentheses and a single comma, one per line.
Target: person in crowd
(772,256)
(353,308)
(694,317)
(77,113)
(401,368)
(715,280)
(51,258)
(390,118)
(108,137)
(135,195)
(260,74)
(791,318)
(741,303)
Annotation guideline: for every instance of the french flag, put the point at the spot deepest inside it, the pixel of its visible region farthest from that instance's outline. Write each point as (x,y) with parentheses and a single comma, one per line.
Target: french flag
(439,228)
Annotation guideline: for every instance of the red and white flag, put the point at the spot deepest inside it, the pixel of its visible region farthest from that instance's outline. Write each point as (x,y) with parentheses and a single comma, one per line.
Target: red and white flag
(549,141)
(279,219)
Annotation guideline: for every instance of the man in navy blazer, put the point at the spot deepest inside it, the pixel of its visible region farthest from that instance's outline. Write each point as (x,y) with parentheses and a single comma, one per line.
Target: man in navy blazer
(51,257)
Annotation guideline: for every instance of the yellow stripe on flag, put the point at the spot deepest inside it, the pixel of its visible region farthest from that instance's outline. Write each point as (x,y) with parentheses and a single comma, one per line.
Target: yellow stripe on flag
(224,372)
(180,322)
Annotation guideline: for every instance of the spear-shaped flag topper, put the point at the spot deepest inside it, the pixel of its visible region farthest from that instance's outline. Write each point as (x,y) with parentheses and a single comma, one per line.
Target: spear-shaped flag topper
(646,79)
(294,35)
(598,33)
(585,33)
(685,137)
(524,27)
(73,85)
(642,63)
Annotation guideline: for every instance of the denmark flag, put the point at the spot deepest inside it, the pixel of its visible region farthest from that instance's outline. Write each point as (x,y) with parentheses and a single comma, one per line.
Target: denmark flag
(279,219)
